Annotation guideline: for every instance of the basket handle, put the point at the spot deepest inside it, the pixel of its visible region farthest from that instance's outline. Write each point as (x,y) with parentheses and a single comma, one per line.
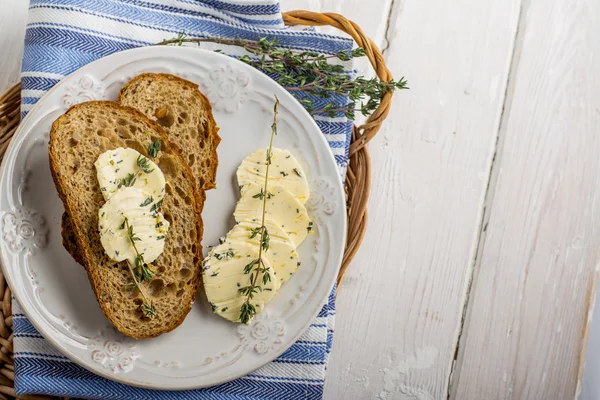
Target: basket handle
(367,131)
(358,176)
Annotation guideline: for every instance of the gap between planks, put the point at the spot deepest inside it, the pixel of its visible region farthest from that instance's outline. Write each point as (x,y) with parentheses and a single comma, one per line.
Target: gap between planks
(492,179)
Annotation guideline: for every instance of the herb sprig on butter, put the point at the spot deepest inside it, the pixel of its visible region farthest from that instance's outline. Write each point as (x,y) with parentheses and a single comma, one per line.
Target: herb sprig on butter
(257,266)
(141,272)
(142,163)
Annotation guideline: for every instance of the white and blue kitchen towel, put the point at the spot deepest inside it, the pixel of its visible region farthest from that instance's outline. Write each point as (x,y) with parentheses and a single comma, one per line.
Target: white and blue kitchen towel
(64,35)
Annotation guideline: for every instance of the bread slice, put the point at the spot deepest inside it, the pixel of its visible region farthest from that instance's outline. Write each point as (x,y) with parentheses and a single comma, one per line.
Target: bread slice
(186,116)
(77,139)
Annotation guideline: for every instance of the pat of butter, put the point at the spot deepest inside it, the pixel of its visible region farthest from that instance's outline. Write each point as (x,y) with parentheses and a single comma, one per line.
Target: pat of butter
(146,223)
(223,276)
(281,253)
(119,168)
(282,208)
(284,171)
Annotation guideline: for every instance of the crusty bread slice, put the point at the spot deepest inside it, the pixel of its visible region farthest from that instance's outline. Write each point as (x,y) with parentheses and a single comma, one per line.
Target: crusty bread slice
(77,139)
(186,116)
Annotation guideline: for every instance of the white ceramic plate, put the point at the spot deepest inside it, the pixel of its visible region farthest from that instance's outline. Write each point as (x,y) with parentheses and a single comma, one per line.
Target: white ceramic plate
(205,350)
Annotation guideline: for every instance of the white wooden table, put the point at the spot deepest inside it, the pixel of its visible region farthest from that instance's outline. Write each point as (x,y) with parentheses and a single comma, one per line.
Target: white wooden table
(478,272)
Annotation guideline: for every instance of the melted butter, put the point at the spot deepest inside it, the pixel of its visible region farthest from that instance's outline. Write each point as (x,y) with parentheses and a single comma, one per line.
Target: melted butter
(282,208)
(223,276)
(284,171)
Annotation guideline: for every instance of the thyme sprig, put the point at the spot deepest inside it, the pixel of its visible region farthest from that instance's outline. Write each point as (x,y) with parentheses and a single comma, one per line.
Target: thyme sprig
(141,272)
(309,74)
(143,166)
(257,266)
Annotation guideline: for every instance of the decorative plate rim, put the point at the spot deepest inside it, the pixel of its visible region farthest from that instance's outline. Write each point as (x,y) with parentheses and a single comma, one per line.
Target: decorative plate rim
(36,316)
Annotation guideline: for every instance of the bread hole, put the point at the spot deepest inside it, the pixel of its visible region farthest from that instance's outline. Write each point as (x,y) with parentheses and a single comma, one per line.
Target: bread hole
(194,250)
(161,269)
(167,165)
(122,121)
(168,217)
(167,121)
(72,142)
(176,202)
(185,273)
(181,284)
(205,129)
(74,167)
(134,144)
(156,288)
(202,144)
(171,288)
(122,133)
(180,192)
(179,120)
(191,159)
(201,182)
(179,293)
(132,129)
(169,189)
(207,163)
(138,301)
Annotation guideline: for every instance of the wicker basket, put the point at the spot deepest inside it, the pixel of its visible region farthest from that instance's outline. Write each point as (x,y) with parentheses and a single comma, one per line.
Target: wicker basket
(358,178)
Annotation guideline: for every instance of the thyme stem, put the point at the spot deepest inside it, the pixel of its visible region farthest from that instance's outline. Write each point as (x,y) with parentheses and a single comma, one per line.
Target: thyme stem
(147,307)
(247,310)
(308,73)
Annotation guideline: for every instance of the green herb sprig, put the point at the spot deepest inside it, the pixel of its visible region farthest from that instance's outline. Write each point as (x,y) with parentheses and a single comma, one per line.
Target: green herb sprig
(143,166)
(141,273)
(153,149)
(257,266)
(310,73)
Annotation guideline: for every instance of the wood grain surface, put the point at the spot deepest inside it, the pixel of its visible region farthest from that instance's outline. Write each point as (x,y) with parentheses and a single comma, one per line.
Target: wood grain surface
(477,275)
(536,269)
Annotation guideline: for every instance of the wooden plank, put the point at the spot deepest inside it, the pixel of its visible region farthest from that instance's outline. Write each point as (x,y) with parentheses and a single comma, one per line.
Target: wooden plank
(528,314)
(12,20)
(400,307)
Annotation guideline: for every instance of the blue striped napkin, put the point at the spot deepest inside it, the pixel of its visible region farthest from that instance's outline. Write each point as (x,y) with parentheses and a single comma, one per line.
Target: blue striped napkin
(64,35)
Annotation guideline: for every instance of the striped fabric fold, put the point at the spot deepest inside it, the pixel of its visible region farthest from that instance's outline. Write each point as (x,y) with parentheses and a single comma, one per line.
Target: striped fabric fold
(64,35)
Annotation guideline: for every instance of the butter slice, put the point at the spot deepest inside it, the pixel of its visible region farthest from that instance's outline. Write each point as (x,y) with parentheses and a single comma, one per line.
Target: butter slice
(281,253)
(223,276)
(113,166)
(282,208)
(149,226)
(284,170)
